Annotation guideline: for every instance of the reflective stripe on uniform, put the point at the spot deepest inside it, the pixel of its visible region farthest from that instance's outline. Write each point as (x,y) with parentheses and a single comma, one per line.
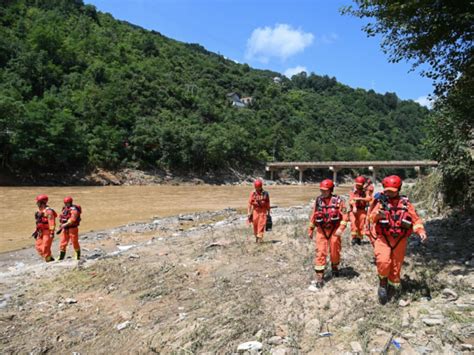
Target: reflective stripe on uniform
(394,284)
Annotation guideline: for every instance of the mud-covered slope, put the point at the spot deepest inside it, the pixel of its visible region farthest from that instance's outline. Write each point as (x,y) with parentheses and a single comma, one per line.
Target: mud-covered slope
(199,283)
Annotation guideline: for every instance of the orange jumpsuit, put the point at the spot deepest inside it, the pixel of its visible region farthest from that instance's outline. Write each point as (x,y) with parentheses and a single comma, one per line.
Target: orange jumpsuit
(70,215)
(326,230)
(391,242)
(258,207)
(45,224)
(358,210)
(370,227)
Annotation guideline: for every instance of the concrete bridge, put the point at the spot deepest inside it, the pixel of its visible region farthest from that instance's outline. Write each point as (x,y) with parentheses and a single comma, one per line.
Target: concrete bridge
(335,166)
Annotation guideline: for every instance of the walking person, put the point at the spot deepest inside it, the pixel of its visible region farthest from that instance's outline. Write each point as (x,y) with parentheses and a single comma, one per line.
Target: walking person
(394,219)
(329,218)
(45,219)
(258,209)
(70,219)
(359,198)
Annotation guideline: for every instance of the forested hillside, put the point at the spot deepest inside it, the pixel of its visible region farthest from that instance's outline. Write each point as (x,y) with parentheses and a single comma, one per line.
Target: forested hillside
(80,89)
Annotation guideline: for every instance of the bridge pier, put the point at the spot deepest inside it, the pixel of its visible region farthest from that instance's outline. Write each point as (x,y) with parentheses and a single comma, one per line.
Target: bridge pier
(334,174)
(418,171)
(271,172)
(300,180)
(374,174)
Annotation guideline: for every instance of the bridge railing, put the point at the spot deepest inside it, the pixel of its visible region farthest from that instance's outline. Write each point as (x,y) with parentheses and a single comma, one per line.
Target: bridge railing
(335,166)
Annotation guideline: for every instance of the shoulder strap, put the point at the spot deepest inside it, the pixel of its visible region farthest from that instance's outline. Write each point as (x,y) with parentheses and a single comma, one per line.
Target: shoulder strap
(318,202)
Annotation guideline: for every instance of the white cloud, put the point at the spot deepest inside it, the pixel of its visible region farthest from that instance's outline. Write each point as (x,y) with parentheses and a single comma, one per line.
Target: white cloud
(293,71)
(282,42)
(425,101)
(328,38)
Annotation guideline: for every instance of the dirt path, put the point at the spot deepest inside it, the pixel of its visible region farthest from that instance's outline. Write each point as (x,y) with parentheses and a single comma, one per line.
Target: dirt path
(198,283)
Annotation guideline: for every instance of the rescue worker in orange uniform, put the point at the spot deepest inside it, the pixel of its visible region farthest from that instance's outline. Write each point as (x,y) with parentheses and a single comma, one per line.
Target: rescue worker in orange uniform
(45,219)
(70,219)
(370,227)
(395,219)
(329,217)
(258,209)
(359,199)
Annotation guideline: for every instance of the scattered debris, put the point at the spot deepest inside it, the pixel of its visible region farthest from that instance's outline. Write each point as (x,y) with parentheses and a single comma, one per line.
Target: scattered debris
(356,347)
(125,247)
(275,340)
(432,321)
(450,294)
(325,334)
(404,303)
(250,346)
(123,325)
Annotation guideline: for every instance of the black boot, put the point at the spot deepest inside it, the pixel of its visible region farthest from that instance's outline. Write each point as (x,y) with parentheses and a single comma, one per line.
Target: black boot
(382,291)
(62,255)
(393,293)
(49,259)
(319,279)
(358,241)
(335,271)
(78,254)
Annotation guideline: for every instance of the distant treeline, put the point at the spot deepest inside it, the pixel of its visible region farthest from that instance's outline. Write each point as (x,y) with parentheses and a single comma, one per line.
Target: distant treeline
(79,89)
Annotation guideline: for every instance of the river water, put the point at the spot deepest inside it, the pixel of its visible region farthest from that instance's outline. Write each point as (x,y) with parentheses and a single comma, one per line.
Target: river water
(111,206)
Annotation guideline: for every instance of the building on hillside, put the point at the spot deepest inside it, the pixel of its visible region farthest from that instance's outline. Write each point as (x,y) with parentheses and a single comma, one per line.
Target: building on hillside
(236,101)
(247,100)
(277,80)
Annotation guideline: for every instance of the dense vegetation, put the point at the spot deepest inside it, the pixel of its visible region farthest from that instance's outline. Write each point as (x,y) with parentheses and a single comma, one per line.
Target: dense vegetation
(438,33)
(79,89)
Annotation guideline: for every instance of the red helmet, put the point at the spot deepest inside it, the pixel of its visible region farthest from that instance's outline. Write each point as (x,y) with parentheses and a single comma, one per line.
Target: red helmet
(392,183)
(68,199)
(360,180)
(42,198)
(326,185)
(258,184)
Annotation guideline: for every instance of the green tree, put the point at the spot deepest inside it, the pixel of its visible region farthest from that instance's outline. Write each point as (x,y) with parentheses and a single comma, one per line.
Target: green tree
(438,33)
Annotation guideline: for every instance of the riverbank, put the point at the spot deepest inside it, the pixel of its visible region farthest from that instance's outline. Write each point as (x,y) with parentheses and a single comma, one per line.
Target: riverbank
(135,177)
(198,282)
(105,207)
(128,177)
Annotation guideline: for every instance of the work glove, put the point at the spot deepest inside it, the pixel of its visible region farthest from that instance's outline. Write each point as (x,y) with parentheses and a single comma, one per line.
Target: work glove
(423,236)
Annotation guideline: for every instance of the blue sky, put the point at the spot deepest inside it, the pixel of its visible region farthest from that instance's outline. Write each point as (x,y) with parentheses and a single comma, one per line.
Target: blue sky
(286,36)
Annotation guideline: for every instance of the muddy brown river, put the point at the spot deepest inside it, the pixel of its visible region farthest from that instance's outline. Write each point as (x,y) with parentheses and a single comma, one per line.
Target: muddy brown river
(112,206)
